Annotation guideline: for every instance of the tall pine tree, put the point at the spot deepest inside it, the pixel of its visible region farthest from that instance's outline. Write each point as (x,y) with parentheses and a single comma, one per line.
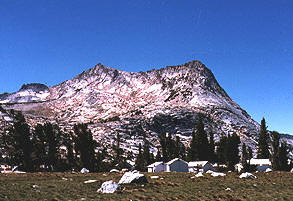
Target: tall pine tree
(85,146)
(199,147)
(263,141)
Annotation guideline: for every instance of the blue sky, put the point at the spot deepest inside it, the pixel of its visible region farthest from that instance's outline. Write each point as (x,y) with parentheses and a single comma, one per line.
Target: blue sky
(248,45)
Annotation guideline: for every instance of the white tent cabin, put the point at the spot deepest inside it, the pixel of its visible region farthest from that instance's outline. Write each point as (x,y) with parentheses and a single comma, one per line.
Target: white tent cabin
(177,165)
(200,166)
(157,167)
(261,164)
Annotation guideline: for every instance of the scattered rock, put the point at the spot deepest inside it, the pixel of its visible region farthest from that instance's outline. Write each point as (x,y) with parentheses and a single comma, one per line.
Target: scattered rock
(155,177)
(109,187)
(218,174)
(209,172)
(268,170)
(84,170)
(133,177)
(114,170)
(200,174)
(90,181)
(247,175)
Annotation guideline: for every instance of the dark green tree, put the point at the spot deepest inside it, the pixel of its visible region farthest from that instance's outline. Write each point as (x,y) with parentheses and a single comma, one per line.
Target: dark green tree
(139,161)
(17,144)
(85,146)
(228,150)
(232,151)
(284,157)
(180,151)
(158,156)
(119,159)
(212,154)
(250,153)
(263,141)
(199,146)
(48,140)
(244,158)
(275,150)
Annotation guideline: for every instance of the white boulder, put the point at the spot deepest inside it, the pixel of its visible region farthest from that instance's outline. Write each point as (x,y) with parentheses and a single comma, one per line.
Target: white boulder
(90,181)
(154,177)
(114,170)
(109,187)
(133,177)
(84,170)
(268,170)
(247,175)
(209,172)
(200,174)
(291,170)
(218,174)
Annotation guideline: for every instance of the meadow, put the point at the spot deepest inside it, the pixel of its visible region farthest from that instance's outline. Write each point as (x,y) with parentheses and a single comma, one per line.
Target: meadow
(173,186)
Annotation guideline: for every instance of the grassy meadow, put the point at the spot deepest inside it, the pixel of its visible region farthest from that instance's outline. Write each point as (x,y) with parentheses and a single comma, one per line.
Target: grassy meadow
(173,186)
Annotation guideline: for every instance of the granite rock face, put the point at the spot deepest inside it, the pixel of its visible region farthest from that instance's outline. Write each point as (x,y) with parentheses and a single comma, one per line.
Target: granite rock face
(137,105)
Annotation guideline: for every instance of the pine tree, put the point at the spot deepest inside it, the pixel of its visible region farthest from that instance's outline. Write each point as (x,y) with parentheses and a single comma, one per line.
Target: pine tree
(232,151)
(139,162)
(244,158)
(250,153)
(199,146)
(212,155)
(228,150)
(48,140)
(275,150)
(85,146)
(263,147)
(180,149)
(284,156)
(119,160)
(17,144)
(163,144)
(158,156)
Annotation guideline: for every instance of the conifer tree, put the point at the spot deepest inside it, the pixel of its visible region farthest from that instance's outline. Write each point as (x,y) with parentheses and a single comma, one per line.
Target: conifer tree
(232,151)
(158,156)
(250,153)
(275,150)
(284,156)
(263,141)
(228,150)
(118,152)
(164,147)
(212,155)
(139,162)
(199,146)
(85,146)
(244,158)
(48,139)
(17,144)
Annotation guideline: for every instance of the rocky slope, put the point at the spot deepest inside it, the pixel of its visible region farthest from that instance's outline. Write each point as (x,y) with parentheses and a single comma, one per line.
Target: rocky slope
(137,105)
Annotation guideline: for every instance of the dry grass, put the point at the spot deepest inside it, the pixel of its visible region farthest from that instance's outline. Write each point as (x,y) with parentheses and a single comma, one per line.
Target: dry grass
(174,186)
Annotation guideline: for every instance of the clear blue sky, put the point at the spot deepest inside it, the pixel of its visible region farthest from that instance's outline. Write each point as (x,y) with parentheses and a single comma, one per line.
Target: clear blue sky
(247,44)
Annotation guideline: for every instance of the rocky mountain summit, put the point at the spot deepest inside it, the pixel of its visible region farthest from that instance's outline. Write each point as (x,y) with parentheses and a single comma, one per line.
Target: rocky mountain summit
(139,105)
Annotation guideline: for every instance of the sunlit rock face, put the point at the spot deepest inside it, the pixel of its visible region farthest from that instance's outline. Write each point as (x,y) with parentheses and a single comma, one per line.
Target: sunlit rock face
(137,105)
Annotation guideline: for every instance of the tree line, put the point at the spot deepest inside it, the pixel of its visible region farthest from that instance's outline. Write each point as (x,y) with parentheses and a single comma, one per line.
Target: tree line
(47,148)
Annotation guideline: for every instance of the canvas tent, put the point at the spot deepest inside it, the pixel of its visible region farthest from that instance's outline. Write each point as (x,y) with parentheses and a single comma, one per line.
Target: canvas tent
(157,167)
(177,165)
(200,166)
(261,164)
